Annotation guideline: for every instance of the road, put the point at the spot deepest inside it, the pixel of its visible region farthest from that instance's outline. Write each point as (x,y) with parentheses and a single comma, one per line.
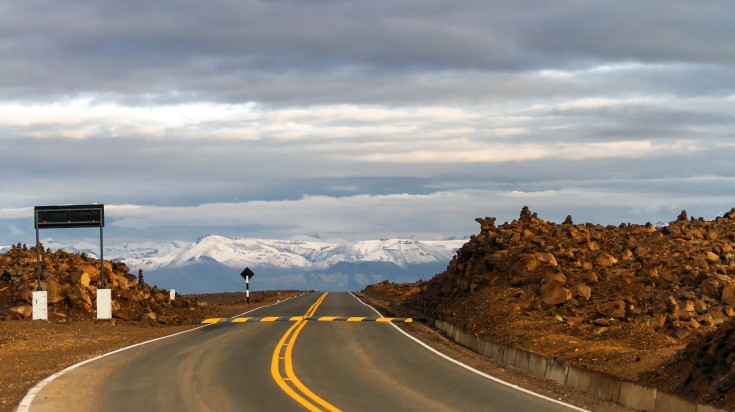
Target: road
(291,365)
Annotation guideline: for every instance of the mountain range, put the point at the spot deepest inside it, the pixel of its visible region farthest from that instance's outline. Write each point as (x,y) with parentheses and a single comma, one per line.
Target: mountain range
(213,263)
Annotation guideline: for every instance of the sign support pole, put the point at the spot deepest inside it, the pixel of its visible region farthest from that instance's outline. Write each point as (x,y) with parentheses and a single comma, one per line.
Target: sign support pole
(40,297)
(38,260)
(104,295)
(102,260)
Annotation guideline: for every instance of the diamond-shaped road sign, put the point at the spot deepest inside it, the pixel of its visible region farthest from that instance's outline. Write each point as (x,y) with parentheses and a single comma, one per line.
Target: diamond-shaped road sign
(247,273)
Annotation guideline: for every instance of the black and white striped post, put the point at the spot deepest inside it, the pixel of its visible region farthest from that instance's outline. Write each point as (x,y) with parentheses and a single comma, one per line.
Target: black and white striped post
(247,274)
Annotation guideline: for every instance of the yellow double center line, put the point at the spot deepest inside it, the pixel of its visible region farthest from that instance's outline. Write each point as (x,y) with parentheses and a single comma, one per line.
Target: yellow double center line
(282,362)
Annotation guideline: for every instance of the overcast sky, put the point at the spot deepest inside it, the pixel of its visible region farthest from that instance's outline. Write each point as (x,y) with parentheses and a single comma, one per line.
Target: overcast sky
(363,119)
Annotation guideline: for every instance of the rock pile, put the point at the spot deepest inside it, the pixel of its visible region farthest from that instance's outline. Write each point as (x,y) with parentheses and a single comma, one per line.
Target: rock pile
(676,279)
(71,281)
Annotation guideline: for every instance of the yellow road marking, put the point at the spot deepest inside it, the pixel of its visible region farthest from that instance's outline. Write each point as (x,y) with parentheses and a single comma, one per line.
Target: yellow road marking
(211,320)
(314,402)
(298,318)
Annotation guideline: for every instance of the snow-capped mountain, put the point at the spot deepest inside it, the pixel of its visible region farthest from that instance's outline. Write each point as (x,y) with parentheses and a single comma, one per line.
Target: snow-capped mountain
(289,254)
(213,262)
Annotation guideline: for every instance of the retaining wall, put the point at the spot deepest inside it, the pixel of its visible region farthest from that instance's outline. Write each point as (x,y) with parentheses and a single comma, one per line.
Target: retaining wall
(600,384)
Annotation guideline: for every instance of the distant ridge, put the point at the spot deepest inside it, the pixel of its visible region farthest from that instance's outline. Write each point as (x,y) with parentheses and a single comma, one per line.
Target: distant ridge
(213,262)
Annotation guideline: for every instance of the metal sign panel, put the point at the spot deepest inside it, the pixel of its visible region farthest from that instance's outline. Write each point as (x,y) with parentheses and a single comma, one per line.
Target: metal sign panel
(50,217)
(247,272)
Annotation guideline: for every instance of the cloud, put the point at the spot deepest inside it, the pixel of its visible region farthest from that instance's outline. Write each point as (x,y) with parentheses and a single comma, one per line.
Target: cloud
(175,51)
(433,215)
(285,118)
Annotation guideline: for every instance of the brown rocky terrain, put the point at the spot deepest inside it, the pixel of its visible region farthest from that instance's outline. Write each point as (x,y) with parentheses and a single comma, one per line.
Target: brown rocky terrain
(71,281)
(650,304)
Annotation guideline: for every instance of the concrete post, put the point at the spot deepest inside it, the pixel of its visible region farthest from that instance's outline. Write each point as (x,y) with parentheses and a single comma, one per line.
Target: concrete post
(40,305)
(104,304)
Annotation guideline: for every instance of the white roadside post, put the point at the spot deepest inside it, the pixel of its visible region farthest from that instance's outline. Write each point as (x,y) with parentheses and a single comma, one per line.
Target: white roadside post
(40,305)
(172,295)
(104,303)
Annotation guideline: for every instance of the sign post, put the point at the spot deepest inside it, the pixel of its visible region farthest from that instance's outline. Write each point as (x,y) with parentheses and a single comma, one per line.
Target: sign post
(74,216)
(247,274)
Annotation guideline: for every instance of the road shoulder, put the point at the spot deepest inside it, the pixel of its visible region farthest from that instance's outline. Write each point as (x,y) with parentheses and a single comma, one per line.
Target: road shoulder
(438,341)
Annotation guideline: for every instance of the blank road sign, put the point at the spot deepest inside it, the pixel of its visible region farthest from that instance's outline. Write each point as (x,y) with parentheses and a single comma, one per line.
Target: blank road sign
(49,217)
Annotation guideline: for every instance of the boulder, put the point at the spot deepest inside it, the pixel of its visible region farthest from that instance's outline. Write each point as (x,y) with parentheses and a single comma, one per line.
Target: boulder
(93,272)
(555,294)
(125,314)
(717,314)
(122,281)
(613,309)
(710,287)
(605,260)
(669,276)
(550,278)
(712,257)
(728,295)
(79,298)
(547,258)
(533,261)
(25,311)
(51,286)
(580,290)
(682,333)
(80,277)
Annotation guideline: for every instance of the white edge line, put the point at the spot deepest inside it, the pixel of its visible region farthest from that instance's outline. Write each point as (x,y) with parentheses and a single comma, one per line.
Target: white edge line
(25,403)
(470,368)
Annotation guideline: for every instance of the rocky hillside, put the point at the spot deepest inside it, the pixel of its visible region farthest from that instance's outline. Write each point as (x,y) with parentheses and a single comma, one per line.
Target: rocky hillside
(677,279)
(71,281)
(613,298)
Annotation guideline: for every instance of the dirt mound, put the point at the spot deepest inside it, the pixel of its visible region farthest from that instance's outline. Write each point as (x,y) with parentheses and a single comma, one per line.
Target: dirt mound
(71,281)
(619,299)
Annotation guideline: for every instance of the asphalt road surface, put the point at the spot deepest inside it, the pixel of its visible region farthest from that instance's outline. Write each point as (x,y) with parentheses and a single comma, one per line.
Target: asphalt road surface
(270,364)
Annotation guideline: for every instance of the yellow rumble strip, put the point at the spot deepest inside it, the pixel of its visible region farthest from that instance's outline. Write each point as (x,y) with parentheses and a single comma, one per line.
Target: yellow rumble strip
(300,318)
